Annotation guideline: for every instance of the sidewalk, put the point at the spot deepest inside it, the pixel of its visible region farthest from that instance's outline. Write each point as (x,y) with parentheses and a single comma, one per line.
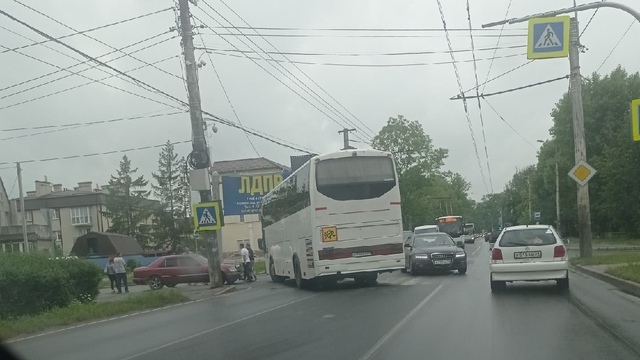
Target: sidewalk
(599,272)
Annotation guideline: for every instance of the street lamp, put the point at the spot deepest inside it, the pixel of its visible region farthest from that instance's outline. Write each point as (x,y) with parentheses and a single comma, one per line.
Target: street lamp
(557,187)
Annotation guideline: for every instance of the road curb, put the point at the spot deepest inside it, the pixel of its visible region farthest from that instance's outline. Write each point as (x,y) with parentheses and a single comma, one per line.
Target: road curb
(624,285)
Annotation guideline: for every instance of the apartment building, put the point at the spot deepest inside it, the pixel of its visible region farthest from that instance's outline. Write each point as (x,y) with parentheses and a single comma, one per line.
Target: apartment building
(57,216)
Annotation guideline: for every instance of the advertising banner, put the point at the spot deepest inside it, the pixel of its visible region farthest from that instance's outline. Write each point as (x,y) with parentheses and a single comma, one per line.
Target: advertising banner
(242,194)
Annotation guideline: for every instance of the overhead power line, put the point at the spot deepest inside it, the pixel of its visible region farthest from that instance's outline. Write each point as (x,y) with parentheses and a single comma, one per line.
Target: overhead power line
(463,97)
(506,16)
(148,87)
(411,64)
(589,22)
(475,74)
(94,154)
(362,29)
(85,31)
(79,73)
(299,83)
(461,94)
(464,101)
(94,39)
(616,45)
(68,68)
(233,109)
(371,132)
(70,126)
(360,36)
(509,125)
(399,53)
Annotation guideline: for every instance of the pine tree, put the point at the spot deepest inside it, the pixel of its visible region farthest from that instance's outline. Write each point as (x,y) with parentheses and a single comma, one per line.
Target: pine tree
(127,206)
(169,228)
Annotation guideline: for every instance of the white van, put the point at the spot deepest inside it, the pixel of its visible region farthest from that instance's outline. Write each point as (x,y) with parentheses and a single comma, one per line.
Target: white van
(425,229)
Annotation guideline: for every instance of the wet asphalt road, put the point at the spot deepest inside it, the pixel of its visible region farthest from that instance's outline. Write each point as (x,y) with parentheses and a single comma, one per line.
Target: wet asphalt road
(434,316)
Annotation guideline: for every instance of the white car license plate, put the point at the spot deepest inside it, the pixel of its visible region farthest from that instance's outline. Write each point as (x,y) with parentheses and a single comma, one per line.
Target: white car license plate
(441,262)
(527,254)
(361,254)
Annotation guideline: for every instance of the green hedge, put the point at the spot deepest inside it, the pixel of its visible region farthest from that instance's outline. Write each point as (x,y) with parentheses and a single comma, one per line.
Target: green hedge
(31,284)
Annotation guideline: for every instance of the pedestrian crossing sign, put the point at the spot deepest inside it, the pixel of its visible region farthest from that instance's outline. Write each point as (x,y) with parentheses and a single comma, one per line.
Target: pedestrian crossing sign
(548,37)
(635,119)
(207,216)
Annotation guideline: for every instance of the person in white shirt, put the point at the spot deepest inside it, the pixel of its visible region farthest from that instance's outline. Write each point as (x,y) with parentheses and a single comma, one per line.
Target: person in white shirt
(246,262)
(121,273)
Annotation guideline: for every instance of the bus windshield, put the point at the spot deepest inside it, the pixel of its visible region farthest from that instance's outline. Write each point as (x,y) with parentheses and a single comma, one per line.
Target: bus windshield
(355,178)
(453,226)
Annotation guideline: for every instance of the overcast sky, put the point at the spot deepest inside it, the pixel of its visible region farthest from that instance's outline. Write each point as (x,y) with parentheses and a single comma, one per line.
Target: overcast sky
(372,94)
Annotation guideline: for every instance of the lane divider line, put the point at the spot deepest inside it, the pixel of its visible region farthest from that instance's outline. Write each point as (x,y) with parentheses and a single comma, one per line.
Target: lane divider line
(218,327)
(374,349)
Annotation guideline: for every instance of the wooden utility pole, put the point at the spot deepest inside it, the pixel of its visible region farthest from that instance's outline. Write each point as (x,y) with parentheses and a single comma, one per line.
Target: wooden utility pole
(584,211)
(199,158)
(345,138)
(23,212)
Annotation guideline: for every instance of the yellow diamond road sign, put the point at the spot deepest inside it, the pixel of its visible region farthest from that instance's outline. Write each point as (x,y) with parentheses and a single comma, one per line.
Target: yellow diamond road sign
(582,172)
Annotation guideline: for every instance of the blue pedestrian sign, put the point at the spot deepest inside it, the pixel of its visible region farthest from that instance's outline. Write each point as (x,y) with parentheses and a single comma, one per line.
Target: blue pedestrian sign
(635,119)
(207,216)
(548,37)
(537,216)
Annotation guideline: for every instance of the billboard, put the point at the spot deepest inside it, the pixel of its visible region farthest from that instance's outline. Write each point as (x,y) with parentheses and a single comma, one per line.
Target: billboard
(242,195)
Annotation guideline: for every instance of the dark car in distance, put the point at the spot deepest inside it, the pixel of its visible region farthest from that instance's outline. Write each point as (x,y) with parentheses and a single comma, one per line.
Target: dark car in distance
(435,251)
(172,270)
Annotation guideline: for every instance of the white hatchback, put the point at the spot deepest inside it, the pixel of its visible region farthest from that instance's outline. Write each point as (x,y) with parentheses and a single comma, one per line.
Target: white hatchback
(529,253)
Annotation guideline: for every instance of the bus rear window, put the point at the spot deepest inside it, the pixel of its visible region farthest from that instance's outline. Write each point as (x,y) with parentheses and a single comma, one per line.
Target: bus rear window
(355,178)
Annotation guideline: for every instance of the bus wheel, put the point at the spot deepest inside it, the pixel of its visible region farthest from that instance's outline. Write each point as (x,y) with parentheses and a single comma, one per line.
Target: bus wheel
(272,273)
(297,273)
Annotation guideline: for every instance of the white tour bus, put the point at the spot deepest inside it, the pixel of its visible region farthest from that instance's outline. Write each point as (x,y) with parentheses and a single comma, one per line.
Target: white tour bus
(338,216)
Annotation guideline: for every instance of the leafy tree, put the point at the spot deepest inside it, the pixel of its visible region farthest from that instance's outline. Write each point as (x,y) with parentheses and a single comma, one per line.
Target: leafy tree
(411,146)
(424,187)
(127,206)
(169,188)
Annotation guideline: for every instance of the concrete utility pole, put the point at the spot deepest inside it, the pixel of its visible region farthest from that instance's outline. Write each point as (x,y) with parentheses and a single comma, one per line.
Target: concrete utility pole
(199,158)
(23,212)
(557,194)
(345,137)
(529,183)
(584,210)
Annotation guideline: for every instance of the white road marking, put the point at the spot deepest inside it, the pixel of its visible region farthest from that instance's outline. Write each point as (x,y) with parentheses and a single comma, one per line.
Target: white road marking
(369,354)
(410,282)
(217,328)
(479,247)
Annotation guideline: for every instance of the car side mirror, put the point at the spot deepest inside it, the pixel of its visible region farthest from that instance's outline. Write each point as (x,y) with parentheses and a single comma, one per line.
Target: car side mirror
(261,244)
(407,245)
(460,244)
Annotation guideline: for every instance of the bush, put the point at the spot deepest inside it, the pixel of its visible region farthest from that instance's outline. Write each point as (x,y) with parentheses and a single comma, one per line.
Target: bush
(31,284)
(132,264)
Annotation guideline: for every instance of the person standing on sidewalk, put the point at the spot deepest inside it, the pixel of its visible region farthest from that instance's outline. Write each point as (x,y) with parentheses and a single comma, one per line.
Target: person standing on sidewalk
(252,259)
(121,273)
(246,262)
(110,270)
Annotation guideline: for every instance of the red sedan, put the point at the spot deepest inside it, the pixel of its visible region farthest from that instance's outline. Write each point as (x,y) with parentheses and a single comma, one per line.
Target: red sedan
(180,269)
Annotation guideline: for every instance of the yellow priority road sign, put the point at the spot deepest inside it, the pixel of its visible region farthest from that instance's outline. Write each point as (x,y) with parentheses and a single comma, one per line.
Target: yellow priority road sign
(582,172)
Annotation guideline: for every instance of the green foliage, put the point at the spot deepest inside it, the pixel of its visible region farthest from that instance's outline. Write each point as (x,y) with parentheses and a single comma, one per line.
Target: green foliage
(132,264)
(127,206)
(629,272)
(614,192)
(426,191)
(30,284)
(78,312)
(171,223)
(616,258)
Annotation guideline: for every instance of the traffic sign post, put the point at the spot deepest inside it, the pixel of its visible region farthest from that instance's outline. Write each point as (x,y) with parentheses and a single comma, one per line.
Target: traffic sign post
(548,37)
(537,216)
(207,216)
(635,119)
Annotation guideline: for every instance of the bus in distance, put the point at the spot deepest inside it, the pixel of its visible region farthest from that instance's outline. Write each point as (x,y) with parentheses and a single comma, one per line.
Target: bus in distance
(338,216)
(454,226)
